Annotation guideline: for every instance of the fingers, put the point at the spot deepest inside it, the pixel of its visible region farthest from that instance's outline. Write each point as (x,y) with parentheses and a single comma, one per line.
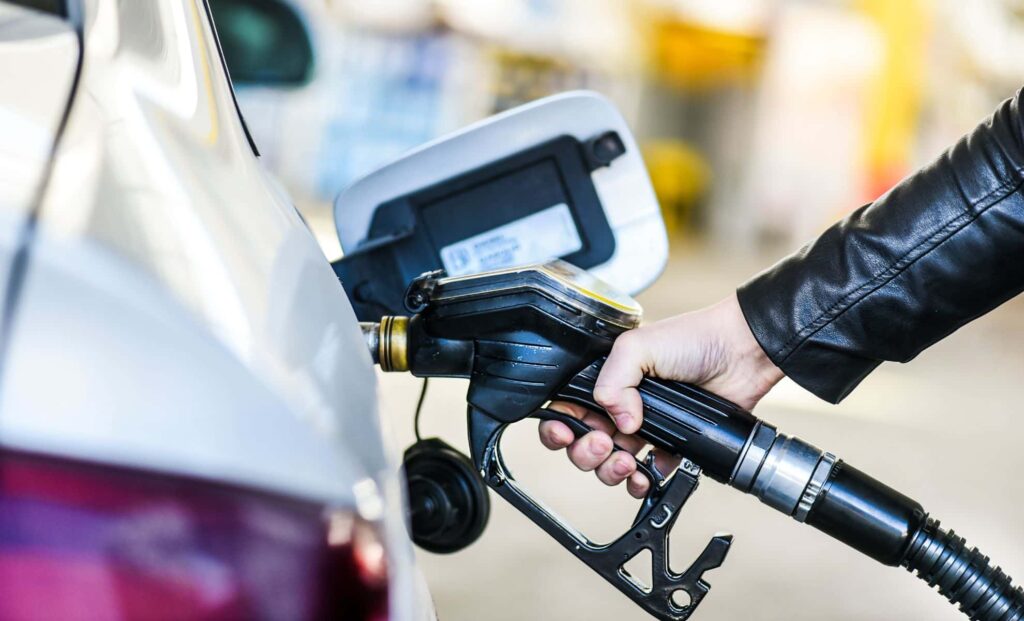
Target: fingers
(595,450)
(620,464)
(616,468)
(590,451)
(638,485)
(555,435)
(615,389)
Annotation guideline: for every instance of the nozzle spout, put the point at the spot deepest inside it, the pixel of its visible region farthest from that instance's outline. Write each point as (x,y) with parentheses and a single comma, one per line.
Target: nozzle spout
(388,342)
(371,335)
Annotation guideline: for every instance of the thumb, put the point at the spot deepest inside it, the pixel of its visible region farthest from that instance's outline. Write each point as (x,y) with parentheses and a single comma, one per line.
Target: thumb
(615,389)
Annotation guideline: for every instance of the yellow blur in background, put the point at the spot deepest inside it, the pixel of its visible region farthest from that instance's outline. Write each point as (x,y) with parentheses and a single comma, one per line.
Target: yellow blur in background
(761,123)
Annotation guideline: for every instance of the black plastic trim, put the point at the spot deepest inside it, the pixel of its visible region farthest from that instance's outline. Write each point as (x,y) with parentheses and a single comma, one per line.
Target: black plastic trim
(231,86)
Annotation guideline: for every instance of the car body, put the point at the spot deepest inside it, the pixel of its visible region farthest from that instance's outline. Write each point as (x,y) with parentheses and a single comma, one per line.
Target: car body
(188,415)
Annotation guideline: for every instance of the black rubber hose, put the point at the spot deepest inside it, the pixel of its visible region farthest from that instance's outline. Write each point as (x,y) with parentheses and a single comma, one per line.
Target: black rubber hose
(964,576)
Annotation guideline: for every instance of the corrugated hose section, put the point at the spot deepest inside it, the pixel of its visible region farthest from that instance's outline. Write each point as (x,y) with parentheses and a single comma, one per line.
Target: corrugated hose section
(963,575)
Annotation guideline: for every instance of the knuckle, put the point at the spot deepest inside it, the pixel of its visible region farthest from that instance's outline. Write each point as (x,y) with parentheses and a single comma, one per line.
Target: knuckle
(628,422)
(617,468)
(600,444)
(606,395)
(630,463)
(637,485)
(550,436)
(548,439)
(580,457)
(627,342)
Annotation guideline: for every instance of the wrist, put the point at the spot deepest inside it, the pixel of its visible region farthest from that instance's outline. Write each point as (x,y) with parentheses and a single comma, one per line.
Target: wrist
(751,363)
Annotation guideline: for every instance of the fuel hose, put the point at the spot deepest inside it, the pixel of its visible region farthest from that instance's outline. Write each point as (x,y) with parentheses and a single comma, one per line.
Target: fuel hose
(815,487)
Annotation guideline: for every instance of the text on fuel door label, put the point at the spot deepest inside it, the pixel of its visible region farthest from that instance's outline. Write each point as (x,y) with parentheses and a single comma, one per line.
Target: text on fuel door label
(547,234)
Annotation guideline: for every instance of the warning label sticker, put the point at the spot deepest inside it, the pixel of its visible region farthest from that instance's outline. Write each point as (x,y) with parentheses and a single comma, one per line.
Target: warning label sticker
(547,234)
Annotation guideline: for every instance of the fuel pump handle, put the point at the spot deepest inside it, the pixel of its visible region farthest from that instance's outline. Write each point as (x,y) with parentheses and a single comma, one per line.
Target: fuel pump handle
(680,419)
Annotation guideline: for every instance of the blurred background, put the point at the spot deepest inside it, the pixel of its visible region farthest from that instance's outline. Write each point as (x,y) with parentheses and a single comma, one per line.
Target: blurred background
(761,122)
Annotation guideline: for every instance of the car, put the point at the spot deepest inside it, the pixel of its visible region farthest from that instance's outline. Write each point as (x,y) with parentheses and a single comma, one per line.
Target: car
(189,424)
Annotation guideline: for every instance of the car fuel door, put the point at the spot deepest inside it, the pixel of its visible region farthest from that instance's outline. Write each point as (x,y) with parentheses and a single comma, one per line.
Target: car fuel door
(561,177)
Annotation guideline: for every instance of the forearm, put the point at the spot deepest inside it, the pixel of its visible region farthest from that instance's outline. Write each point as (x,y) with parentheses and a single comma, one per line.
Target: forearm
(941,248)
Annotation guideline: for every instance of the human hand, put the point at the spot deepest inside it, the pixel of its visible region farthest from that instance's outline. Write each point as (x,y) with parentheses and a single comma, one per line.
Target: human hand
(712,348)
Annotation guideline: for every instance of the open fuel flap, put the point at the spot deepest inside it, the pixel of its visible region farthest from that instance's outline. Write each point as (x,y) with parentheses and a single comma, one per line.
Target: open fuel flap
(561,177)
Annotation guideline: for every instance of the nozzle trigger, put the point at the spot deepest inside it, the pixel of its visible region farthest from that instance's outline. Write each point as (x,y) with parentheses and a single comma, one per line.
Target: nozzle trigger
(649,531)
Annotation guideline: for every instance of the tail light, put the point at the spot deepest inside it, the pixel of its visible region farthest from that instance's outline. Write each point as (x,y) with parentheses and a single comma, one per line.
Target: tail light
(84,541)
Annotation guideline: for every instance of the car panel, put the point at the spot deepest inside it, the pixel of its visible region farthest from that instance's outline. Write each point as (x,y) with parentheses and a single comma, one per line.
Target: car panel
(199,329)
(103,364)
(155,169)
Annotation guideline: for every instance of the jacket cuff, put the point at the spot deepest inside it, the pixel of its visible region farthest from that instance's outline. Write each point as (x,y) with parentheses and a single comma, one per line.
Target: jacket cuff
(815,364)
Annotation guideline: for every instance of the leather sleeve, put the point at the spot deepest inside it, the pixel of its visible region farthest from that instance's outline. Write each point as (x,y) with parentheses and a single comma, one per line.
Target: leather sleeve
(941,248)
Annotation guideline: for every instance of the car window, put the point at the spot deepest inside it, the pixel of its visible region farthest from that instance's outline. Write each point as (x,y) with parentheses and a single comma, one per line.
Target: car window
(265,42)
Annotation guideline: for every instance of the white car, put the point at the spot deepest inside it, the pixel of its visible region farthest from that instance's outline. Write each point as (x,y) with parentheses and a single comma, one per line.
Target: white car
(188,415)
(189,423)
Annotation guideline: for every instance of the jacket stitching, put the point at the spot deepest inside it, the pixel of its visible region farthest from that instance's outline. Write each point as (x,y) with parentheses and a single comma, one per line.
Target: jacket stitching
(879,280)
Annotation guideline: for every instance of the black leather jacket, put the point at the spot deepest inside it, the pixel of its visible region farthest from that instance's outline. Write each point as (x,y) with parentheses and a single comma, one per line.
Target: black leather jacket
(943,247)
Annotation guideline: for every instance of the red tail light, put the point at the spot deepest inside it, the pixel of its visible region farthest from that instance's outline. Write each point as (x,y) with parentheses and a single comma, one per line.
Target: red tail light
(82,541)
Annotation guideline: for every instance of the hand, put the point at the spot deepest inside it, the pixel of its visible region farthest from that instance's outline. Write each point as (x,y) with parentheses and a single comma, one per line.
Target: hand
(712,348)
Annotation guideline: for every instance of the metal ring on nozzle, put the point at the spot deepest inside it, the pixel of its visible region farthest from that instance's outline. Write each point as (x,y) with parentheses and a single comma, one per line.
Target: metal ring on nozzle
(392,342)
